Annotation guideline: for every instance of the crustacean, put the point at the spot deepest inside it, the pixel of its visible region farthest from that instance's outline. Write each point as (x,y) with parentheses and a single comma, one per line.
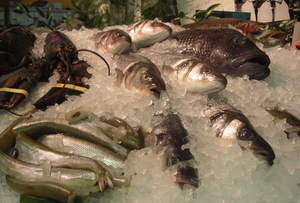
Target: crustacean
(60,54)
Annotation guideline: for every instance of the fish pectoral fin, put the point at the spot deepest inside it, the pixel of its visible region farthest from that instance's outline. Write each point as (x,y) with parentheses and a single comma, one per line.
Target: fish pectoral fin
(120,76)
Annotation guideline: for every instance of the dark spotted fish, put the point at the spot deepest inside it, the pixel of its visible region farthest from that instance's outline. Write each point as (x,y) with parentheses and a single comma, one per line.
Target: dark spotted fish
(266,33)
(227,50)
(171,135)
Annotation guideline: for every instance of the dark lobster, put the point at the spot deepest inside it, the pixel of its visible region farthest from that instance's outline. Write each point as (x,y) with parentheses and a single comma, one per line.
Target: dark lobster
(63,56)
(15,44)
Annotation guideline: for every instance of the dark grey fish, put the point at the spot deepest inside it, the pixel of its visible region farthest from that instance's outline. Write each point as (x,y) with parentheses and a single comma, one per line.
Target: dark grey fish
(113,41)
(136,72)
(229,123)
(171,135)
(227,50)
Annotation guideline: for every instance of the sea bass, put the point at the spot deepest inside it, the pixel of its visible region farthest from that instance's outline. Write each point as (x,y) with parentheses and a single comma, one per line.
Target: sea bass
(192,73)
(147,32)
(136,72)
(229,123)
(171,136)
(227,50)
(268,34)
(113,41)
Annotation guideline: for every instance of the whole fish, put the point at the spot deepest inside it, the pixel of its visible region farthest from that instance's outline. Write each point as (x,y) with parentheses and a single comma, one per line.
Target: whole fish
(147,32)
(229,123)
(292,120)
(136,72)
(227,50)
(113,41)
(84,148)
(171,136)
(84,130)
(31,151)
(44,189)
(111,161)
(266,33)
(192,73)
(80,180)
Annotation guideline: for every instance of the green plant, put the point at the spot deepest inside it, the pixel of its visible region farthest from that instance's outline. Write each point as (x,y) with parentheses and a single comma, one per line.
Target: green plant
(44,19)
(207,14)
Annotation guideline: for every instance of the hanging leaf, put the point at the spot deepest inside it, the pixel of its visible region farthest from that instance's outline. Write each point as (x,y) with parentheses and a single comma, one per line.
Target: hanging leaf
(40,12)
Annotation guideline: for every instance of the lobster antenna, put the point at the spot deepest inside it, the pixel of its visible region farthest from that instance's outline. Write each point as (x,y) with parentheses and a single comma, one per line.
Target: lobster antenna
(108,67)
(16,114)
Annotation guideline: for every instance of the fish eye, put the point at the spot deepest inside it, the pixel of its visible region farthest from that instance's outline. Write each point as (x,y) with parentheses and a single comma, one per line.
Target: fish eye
(240,40)
(264,27)
(173,160)
(246,134)
(206,70)
(146,77)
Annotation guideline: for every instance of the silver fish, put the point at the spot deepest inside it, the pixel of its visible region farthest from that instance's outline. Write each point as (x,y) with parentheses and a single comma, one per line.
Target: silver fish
(113,41)
(85,148)
(84,130)
(191,72)
(45,189)
(147,32)
(31,151)
(136,72)
(171,135)
(229,123)
(82,181)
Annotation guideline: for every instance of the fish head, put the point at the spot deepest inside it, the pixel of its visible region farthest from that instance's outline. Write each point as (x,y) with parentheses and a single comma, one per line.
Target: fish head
(236,55)
(147,32)
(181,161)
(237,126)
(145,78)
(114,41)
(267,34)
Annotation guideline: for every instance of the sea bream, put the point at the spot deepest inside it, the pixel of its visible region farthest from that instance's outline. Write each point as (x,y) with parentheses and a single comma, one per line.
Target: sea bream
(192,73)
(266,33)
(147,32)
(227,50)
(136,72)
(228,123)
(113,41)
(171,135)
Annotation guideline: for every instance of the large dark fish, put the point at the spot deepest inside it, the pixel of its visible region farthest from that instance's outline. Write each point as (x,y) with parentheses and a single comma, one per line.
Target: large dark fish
(138,73)
(192,73)
(229,123)
(171,135)
(266,33)
(227,50)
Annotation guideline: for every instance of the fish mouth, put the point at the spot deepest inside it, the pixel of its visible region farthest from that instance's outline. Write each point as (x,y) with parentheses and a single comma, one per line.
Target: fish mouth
(155,91)
(265,155)
(187,175)
(255,66)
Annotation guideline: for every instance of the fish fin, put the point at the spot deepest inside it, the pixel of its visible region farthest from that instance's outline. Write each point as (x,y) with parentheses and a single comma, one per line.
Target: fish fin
(234,28)
(120,76)
(167,69)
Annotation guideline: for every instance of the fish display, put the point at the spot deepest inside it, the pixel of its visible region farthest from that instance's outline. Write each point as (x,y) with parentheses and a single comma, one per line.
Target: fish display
(229,123)
(113,41)
(192,73)
(136,72)
(171,136)
(147,32)
(227,50)
(268,34)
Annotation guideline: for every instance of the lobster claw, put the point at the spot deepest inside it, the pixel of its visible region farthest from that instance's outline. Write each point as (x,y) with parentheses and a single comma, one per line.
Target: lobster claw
(17,87)
(57,95)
